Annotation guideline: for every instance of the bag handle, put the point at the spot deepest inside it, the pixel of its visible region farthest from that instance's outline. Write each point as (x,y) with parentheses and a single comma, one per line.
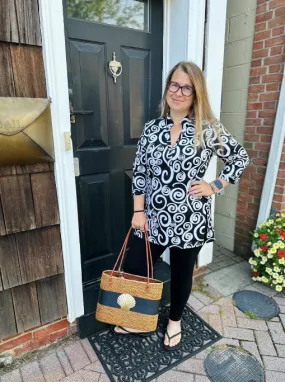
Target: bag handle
(123,253)
(147,251)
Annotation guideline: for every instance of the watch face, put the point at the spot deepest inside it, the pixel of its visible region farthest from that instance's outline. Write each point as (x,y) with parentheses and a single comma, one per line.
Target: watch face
(219,184)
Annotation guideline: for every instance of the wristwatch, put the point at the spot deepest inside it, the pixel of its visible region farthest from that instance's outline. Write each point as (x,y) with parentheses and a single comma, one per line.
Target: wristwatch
(219,185)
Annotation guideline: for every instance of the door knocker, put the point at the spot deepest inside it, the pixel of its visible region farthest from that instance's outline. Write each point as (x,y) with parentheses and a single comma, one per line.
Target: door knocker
(115,68)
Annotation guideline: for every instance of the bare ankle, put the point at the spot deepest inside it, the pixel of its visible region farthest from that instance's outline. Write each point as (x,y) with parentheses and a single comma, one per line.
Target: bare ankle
(171,322)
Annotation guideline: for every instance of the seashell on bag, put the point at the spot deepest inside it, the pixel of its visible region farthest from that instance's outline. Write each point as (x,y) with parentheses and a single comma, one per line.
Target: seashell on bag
(126,301)
(129,300)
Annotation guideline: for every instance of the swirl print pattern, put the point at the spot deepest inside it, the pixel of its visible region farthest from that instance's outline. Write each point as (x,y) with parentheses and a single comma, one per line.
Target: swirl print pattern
(164,173)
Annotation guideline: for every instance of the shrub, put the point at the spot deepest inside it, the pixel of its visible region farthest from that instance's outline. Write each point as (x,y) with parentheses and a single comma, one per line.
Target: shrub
(268,262)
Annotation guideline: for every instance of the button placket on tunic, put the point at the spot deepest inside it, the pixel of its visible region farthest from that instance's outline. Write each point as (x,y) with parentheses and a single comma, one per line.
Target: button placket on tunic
(164,173)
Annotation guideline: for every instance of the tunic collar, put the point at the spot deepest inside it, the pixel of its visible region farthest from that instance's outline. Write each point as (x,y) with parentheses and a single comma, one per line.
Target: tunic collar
(169,121)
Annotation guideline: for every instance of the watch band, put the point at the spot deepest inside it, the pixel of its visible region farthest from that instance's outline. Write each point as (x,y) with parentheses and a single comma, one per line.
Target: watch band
(217,184)
(212,184)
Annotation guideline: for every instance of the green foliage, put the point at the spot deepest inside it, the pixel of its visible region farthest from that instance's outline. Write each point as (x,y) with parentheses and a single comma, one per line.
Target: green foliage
(251,315)
(268,263)
(201,288)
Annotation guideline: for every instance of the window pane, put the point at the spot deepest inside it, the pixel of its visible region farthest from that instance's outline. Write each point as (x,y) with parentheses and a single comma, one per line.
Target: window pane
(124,13)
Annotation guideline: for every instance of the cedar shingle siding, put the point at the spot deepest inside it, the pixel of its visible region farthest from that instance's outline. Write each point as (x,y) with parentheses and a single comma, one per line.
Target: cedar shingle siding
(32,291)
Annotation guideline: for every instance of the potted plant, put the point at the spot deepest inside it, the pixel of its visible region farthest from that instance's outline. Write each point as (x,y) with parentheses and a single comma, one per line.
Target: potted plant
(268,262)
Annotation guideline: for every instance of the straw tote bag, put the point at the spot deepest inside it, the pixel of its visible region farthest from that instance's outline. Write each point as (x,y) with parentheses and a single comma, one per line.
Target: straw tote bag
(129,300)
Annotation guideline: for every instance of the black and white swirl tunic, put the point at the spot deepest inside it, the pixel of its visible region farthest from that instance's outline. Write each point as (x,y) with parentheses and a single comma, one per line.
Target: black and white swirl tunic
(164,174)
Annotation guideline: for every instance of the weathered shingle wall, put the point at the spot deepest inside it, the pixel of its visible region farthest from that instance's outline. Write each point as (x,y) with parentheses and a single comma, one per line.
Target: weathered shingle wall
(32,290)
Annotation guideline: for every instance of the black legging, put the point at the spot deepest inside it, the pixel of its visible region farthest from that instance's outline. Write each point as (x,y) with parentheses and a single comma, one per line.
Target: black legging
(182,262)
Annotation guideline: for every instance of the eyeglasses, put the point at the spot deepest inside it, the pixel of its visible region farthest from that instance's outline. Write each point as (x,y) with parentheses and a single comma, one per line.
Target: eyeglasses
(186,90)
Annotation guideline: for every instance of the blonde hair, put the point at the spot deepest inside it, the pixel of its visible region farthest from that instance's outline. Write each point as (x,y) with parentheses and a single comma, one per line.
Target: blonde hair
(200,110)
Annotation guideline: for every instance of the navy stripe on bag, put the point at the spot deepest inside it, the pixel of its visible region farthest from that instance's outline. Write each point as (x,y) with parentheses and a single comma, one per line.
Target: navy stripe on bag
(142,305)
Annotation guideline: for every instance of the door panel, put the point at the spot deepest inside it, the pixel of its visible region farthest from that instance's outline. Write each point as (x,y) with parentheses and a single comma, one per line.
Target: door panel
(90,93)
(136,92)
(95,213)
(86,31)
(105,142)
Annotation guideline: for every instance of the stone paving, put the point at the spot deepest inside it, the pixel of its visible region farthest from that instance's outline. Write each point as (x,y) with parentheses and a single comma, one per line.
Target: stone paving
(265,340)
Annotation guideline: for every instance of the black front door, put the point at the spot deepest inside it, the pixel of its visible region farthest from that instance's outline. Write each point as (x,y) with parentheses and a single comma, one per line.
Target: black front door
(109,116)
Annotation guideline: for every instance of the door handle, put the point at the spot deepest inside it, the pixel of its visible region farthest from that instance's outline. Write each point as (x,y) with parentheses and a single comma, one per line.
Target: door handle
(73,112)
(82,112)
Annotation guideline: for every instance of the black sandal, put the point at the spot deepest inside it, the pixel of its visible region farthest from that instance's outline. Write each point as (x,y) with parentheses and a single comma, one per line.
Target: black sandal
(143,334)
(168,347)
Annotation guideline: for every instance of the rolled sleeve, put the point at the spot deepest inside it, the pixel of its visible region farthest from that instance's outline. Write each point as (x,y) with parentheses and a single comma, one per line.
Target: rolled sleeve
(232,153)
(139,166)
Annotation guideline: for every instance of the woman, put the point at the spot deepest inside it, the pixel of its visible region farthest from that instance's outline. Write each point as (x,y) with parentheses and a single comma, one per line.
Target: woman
(171,200)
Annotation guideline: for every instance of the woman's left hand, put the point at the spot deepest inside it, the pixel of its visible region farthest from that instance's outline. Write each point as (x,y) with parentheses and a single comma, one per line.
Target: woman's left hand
(200,188)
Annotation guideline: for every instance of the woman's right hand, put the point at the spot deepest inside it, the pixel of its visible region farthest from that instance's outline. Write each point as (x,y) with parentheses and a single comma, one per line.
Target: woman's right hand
(139,221)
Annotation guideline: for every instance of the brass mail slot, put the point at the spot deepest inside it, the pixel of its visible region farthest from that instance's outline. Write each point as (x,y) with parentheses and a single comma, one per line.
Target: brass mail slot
(25,131)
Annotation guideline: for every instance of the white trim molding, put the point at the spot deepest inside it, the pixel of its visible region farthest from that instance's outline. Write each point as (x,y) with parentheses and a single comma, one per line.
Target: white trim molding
(52,29)
(166,39)
(273,159)
(196,31)
(215,46)
(180,45)
(214,62)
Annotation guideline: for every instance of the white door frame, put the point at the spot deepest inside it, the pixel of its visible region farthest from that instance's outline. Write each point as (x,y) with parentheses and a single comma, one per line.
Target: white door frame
(54,53)
(214,63)
(52,29)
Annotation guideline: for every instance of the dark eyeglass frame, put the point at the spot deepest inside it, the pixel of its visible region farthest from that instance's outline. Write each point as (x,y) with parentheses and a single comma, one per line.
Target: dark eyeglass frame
(181,87)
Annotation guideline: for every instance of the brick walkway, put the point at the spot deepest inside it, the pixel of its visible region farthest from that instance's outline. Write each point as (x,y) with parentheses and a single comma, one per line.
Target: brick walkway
(265,340)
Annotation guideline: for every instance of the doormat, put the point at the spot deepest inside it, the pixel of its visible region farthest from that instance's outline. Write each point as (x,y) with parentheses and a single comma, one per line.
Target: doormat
(256,303)
(129,358)
(232,364)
